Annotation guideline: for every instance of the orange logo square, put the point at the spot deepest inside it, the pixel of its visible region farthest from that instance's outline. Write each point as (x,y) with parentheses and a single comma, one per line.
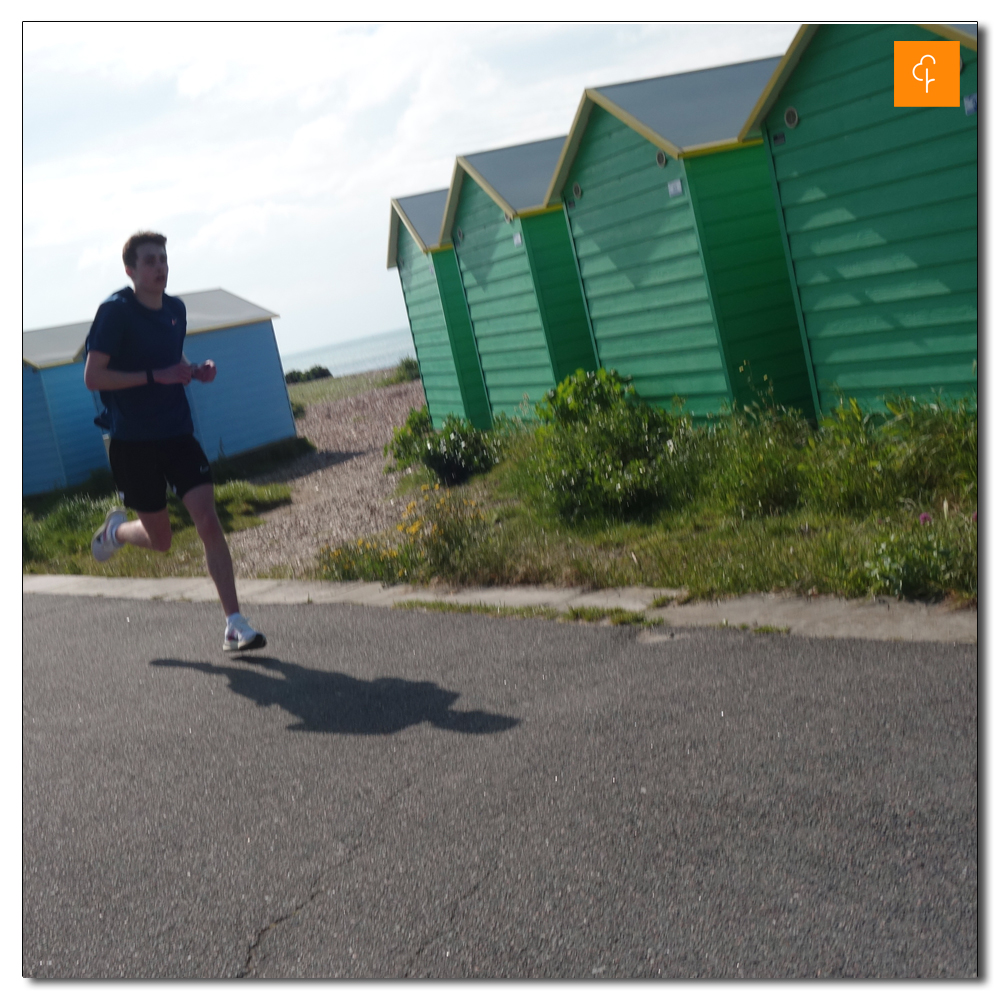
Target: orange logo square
(925,74)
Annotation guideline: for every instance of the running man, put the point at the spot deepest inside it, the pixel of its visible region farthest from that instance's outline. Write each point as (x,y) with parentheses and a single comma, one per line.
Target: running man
(135,359)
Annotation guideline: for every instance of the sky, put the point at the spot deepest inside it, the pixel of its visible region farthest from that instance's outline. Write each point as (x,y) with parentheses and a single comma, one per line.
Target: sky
(267,153)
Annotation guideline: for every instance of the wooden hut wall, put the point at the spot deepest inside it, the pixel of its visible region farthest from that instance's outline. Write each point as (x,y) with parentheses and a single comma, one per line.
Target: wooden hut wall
(754,304)
(41,464)
(641,265)
(73,408)
(879,205)
(463,341)
(560,296)
(247,405)
(506,321)
(429,328)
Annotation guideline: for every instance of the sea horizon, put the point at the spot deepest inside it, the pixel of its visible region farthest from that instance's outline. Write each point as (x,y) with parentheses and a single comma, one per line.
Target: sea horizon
(351,357)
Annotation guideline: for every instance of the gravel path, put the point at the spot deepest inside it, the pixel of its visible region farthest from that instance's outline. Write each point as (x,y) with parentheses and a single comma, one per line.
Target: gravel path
(339,493)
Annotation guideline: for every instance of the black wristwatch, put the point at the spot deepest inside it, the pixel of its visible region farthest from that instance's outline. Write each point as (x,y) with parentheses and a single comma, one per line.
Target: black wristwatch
(149,377)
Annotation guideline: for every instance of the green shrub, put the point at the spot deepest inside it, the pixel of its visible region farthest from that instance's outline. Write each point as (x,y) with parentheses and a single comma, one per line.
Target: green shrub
(755,454)
(460,450)
(937,448)
(605,453)
(406,371)
(454,453)
(316,372)
(919,561)
(582,395)
(850,467)
(916,455)
(407,443)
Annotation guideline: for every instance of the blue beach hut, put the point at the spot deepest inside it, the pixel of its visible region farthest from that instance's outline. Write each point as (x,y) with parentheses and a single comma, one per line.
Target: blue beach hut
(41,463)
(245,408)
(53,370)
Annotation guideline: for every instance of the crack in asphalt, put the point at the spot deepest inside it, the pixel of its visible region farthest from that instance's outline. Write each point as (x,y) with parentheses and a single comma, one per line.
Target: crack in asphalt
(448,922)
(247,969)
(314,892)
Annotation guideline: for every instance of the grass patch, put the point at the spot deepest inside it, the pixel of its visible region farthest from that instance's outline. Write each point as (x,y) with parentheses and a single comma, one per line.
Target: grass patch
(492,611)
(771,630)
(617,616)
(329,390)
(55,537)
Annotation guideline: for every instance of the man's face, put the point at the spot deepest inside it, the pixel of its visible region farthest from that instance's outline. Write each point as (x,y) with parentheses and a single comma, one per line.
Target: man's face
(150,271)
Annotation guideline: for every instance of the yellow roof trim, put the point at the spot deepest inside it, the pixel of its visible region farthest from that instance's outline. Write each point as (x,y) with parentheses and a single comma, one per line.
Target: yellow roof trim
(570,148)
(441,248)
(952,34)
(451,205)
(633,123)
(400,215)
(705,148)
(778,78)
(539,210)
(29,364)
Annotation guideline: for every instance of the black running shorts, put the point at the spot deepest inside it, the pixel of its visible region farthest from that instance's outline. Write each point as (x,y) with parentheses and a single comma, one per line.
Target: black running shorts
(144,469)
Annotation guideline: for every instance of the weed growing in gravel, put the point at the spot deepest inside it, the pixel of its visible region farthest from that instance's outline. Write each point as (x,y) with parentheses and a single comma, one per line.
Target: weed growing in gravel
(429,541)
(406,371)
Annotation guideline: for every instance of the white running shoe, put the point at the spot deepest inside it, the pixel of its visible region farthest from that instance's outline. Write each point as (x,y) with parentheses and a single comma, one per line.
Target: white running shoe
(240,636)
(103,545)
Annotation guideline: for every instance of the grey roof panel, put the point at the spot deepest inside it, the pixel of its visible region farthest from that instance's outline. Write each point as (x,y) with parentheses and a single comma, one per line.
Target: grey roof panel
(211,310)
(217,308)
(520,174)
(425,212)
(54,345)
(688,109)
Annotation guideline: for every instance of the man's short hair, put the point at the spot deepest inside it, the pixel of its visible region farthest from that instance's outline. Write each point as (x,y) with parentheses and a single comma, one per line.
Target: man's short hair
(130,252)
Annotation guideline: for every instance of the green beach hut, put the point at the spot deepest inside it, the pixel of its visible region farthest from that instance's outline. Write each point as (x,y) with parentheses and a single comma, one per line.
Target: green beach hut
(678,244)
(879,212)
(518,271)
(437,311)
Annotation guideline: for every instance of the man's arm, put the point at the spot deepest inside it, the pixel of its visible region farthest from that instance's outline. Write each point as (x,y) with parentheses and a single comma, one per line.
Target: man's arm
(98,377)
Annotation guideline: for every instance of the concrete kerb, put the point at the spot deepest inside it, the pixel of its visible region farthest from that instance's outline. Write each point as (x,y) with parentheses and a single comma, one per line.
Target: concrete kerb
(819,617)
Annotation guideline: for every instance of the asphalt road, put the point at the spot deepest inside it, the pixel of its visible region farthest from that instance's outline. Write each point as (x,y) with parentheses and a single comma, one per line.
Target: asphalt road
(393,793)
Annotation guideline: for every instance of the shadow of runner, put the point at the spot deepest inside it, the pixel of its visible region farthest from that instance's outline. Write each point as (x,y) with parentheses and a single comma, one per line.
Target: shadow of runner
(330,702)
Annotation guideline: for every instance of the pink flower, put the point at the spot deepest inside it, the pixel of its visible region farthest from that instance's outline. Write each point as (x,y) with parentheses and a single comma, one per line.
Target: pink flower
(925,518)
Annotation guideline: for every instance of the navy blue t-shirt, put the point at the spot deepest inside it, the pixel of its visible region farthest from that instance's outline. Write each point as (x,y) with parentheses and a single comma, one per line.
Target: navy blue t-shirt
(138,338)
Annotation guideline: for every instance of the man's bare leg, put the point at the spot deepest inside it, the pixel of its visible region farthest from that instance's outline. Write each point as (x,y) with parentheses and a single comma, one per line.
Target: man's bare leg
(200,502)
(151,531)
